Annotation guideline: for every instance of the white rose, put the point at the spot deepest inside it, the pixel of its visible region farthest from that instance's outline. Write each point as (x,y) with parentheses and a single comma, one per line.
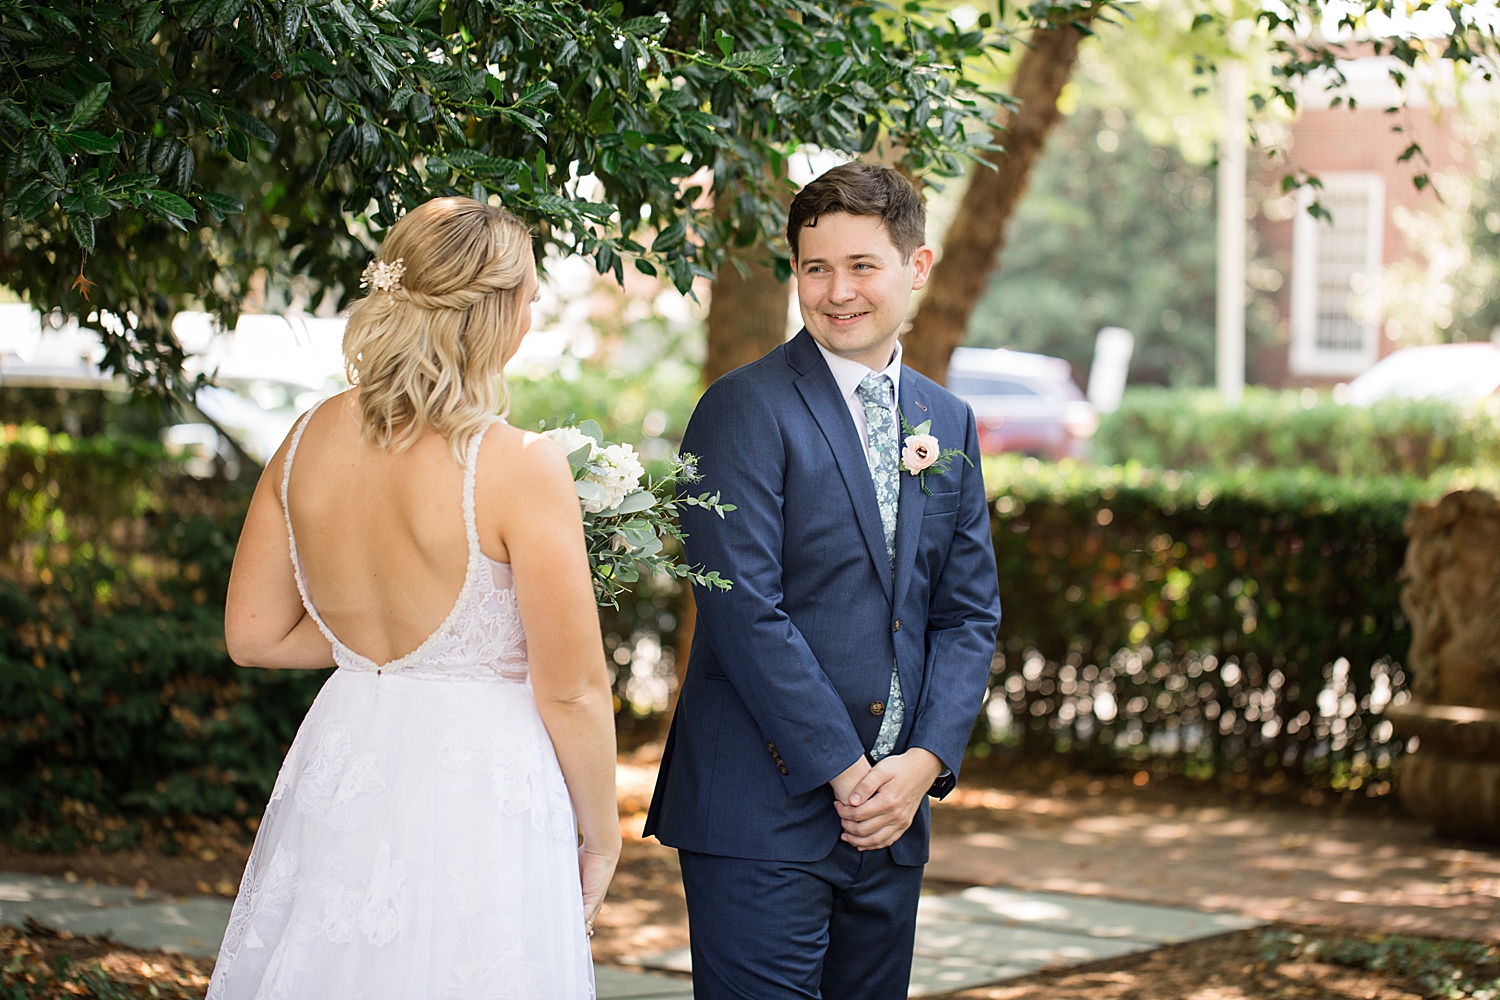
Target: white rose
(570,439)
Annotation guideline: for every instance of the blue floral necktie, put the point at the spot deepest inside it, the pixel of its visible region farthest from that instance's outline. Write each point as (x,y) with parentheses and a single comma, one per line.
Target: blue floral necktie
(883,456)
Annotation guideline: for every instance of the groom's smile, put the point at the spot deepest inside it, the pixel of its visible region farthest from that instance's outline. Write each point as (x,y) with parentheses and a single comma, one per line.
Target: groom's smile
(854,286)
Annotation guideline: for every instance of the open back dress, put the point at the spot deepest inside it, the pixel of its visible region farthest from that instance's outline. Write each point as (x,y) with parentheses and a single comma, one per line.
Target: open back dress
(419,842)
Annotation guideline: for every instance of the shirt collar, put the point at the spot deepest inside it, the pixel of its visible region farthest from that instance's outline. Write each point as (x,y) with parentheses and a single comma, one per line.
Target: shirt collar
(848,374)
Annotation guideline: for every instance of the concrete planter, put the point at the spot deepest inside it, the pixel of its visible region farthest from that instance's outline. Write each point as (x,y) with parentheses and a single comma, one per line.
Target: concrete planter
(1452,780)
(1452,599)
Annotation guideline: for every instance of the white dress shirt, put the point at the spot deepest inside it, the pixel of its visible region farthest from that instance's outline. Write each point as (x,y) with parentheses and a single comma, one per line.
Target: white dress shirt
(849,374)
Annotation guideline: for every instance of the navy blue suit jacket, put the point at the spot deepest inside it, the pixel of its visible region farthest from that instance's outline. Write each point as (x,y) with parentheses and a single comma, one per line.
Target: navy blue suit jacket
(786,666)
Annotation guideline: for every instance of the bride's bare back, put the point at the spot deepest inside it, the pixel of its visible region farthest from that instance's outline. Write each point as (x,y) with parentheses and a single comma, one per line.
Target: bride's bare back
(381,533)
(375,512)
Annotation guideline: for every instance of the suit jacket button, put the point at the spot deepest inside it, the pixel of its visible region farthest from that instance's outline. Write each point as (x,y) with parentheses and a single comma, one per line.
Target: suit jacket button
(896,627)
(877,708)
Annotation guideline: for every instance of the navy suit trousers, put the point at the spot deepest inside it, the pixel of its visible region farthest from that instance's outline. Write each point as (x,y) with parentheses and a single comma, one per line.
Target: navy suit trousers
(837,929)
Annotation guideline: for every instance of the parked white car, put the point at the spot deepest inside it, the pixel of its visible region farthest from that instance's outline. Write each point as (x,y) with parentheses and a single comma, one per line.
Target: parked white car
(1460,373)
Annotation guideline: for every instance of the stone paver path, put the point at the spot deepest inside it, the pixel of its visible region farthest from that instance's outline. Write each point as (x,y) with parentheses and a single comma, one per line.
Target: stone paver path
(982,936)
(144,920)
(1305,866)
(195,926)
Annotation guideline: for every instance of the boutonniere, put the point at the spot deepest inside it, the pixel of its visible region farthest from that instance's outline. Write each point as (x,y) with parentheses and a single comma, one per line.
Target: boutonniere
(921,453)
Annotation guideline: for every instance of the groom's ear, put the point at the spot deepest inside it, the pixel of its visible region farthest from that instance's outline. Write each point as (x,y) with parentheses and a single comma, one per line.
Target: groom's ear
(921,259)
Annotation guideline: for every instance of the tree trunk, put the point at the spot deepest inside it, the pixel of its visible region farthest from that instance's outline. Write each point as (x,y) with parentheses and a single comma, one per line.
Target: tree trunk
(746,319)
(974,240)
(746,315)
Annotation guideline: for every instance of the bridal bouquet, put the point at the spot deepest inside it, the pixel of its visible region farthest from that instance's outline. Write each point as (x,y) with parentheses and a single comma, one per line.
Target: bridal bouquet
(629,517)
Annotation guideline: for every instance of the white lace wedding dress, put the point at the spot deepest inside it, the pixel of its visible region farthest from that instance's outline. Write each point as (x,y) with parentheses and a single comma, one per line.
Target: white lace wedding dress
(420,842)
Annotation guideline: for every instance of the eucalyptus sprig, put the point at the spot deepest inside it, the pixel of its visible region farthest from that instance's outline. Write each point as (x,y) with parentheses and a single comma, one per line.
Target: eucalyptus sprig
(639,534)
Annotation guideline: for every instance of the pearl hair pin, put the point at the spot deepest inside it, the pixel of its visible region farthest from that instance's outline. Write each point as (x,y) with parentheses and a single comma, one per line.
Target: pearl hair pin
(384,276)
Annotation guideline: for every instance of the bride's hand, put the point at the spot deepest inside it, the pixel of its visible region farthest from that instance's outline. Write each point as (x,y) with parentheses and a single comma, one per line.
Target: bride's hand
(596,870)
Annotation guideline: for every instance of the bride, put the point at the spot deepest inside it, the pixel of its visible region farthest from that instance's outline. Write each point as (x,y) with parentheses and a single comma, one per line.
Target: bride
(423,836)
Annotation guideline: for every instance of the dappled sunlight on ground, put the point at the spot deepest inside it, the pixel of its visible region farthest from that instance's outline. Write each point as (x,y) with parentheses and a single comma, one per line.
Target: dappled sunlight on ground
(1282,862)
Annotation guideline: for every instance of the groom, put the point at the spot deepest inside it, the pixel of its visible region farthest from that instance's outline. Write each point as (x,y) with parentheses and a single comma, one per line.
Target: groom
(834,687)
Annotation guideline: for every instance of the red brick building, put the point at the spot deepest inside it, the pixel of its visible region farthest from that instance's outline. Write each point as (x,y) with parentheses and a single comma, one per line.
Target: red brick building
(1328,271)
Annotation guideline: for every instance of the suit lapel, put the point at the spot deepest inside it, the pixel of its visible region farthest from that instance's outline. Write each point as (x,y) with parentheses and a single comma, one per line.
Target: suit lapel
(911,501)
(821,394)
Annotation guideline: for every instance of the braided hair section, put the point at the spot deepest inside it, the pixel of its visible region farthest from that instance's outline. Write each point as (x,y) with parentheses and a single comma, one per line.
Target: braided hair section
(428,352)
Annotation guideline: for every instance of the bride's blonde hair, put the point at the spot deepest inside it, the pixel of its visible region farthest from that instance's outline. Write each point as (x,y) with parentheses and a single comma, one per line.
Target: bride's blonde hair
(429,351)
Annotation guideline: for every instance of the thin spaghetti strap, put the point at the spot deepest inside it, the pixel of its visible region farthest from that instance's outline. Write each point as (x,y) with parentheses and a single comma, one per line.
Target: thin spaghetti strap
(471,467)
(286,464)
(286,511)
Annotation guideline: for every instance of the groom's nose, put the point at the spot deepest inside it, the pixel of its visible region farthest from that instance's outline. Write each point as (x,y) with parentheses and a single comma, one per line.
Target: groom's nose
(842,289)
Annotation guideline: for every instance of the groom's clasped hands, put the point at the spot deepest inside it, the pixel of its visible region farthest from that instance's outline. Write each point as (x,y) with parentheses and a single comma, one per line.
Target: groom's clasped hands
(876,803)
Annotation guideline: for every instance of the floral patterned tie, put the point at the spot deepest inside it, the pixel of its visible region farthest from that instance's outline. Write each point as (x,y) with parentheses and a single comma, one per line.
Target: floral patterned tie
(883,456)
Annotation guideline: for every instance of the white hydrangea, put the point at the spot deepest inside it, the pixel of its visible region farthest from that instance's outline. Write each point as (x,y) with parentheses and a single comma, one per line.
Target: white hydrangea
(619,471)
(570,439)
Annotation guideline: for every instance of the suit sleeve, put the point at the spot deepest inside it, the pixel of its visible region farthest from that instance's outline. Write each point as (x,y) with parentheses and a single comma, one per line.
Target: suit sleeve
(962,621)
(735,435)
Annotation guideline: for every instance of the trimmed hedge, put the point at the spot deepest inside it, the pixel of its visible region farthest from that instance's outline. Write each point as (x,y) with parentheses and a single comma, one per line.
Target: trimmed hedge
(1244,622)
(1193,429)
(116,696)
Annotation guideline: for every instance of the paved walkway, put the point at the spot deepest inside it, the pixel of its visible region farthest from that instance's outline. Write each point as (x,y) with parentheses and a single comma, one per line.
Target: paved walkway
(1300,865)
(965,939)
(1056,879)
(983,936)
(195,926)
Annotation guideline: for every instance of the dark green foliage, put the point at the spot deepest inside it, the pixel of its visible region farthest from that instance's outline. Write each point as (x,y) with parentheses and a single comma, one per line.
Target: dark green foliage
(115,691)
(1124,237)
(1289,430)
(1235,623)
(157,156)
(1444,970)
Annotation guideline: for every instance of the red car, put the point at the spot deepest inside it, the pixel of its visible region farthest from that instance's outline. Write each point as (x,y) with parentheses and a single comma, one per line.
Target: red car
(1023,402)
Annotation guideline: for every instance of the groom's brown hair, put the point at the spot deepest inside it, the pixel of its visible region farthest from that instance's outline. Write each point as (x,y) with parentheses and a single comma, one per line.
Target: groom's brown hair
(862,189)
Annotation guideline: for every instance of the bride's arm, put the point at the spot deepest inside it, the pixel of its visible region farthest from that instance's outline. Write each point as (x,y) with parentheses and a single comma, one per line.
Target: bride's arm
(265,624)
(542,529)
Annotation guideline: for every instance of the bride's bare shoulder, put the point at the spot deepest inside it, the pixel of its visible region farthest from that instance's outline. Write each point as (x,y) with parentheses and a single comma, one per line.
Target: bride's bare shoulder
(510,457)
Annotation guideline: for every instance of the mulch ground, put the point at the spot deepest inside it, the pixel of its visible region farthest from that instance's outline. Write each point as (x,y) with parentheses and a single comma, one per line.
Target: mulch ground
(1231,967)
(645,912)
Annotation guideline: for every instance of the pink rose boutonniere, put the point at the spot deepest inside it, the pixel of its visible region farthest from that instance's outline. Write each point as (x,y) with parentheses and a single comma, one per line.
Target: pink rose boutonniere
(921,453)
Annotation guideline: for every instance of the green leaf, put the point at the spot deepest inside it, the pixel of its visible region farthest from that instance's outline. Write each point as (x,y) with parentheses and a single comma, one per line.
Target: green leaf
(221,205)
(93,142)
(725,41)
(31,200)
(592,492)
(89,105)
(83,231)
(147,20)
(250,124)
(537,92)
(239,146)
(170,207)
(591,428)
(579,457)
(634,503)
(13,114)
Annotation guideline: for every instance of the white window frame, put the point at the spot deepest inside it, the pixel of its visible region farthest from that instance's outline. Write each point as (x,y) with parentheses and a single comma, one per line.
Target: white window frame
(1307,356)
